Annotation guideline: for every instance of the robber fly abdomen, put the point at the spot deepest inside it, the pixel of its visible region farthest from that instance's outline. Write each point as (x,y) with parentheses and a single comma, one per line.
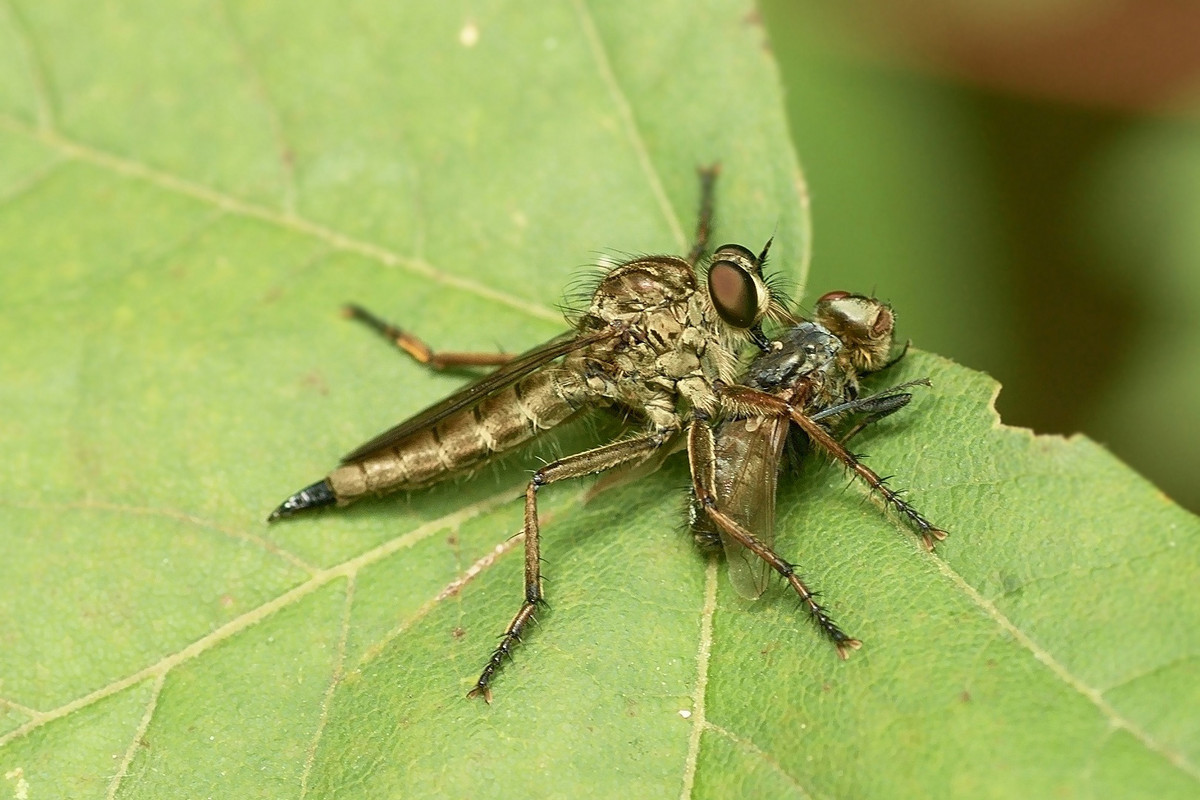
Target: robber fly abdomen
(489,417)
(500,422)
(809,378)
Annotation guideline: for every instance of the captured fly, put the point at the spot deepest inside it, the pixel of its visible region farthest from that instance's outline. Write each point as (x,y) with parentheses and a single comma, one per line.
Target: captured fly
(655,342)
(808,378)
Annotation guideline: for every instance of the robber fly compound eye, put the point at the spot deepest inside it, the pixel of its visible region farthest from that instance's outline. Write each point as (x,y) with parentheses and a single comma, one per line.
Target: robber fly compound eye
(736,287)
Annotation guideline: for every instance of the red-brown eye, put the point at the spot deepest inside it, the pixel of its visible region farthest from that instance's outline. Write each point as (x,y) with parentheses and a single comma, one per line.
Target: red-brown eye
(828,296)
(734,293)
(884,322)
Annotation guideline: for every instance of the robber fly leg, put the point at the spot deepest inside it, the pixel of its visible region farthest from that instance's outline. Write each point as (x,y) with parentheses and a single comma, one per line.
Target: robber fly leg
(422,352)
(769,405)
(875,406)
(929,531)
(708,176)
(702,458)
(875,412)
(576,466)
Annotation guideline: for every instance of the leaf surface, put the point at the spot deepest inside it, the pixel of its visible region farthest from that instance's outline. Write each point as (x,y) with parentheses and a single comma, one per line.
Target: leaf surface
(188,193)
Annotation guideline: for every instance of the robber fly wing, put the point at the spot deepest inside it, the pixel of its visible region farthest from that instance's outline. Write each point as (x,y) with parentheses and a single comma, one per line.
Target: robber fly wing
(747,493)
(474,392)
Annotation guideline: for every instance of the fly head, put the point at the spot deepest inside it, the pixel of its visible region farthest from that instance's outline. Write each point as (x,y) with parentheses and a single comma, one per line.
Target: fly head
(864,325)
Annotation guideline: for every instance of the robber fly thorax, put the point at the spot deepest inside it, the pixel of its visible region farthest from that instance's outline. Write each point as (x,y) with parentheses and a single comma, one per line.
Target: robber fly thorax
(805,386)
(655,342)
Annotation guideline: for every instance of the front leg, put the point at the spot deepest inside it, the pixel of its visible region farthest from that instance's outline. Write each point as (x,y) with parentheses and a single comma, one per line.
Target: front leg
(702,459)
(875,406)
(576,466)
(767,405)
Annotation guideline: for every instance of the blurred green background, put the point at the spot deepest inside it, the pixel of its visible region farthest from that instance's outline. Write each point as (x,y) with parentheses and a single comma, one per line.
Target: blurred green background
(1022,181)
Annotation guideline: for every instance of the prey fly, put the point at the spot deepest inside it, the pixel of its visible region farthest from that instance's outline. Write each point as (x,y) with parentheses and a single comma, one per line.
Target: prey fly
(809,378)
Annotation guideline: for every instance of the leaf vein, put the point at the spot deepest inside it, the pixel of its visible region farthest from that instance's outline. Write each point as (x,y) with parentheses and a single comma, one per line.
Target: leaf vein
(252,617)
(449,590)
(1076,572)
(144,725)
(178,516)
(335,678)
(19,707)
(747,744)
(286,152)
(1093,695)
(299,225)
(30,182)
(35,64)
(629,121)
(699,693)
(1175,662)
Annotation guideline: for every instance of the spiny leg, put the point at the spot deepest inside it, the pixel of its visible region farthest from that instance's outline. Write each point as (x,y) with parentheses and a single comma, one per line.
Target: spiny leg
(876,411)
(708,177)
(876,406)
(882,402)
(769,405)
(422,352)
(929,531)
(576,466)
(702,458)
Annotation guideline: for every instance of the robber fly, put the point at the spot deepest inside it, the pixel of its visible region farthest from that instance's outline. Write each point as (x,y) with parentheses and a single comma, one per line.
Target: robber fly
(653,343)
(808,377)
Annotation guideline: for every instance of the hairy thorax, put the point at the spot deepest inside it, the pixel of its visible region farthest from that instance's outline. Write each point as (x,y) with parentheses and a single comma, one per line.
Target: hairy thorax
(671,349)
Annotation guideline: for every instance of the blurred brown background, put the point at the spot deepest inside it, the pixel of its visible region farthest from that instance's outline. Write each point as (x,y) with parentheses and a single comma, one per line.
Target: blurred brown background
(1021,179)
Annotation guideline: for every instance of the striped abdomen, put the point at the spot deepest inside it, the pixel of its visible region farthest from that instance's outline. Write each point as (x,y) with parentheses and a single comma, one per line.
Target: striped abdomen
(497,423)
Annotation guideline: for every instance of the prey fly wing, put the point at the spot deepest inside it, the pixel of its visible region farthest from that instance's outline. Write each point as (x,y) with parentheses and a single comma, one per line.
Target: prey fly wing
(751,449)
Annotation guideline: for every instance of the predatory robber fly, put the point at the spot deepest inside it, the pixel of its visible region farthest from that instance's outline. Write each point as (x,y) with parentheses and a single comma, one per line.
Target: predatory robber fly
(809,377)
(653,343)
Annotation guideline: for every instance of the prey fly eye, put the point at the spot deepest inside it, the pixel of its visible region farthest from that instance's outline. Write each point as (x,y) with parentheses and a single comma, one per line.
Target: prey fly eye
(884,323)
(738,295)
(829,296)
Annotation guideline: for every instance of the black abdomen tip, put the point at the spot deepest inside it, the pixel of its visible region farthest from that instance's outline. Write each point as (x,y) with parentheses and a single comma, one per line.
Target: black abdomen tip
(315,496)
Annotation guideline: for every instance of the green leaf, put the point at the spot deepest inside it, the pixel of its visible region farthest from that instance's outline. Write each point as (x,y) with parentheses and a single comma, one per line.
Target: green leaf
(189,191)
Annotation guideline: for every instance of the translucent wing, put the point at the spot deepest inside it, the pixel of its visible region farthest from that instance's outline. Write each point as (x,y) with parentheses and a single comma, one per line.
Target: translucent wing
(473,393)
(748,454)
